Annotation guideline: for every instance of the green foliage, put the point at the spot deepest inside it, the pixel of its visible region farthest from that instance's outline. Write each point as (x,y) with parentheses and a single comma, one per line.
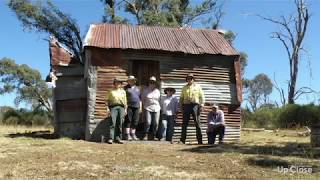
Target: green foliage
(289,116)
(175,13)
(299,115)
(110,13)
(26,117)
(243,62)
(262,118)
(44,17)
(25,82)
(230,37)
(258,89)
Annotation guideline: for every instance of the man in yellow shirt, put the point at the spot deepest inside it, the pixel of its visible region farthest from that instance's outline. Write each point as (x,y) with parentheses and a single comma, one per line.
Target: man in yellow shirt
(116,100)
(191,102)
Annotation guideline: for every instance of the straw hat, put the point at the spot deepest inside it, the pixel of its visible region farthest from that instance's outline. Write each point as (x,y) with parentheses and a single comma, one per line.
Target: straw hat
(169,89)
(215,106)
(152,78)
(116,80)
(131,78)
(190,75)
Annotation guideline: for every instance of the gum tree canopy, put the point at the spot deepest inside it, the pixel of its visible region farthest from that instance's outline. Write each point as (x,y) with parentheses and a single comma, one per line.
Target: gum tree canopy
(26,83)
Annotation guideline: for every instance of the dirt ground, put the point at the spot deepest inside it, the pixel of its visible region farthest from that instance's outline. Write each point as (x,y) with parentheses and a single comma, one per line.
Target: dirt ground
(34,153)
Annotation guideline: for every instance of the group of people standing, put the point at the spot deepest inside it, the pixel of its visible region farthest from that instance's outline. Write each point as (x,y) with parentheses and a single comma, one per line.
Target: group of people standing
(131,100)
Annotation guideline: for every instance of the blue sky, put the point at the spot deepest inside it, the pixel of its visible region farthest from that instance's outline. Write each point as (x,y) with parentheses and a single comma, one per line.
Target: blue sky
(266,55)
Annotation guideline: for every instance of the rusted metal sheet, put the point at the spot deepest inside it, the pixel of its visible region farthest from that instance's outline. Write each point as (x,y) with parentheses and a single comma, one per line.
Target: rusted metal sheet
(237,67)
(185,40)
(217,81)
(58,55)
(106,74)
(214,78)
(232,119)
(214,93)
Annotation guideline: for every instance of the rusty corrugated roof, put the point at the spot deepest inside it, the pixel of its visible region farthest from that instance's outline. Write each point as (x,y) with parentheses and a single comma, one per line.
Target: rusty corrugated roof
(59,56)
(185,40)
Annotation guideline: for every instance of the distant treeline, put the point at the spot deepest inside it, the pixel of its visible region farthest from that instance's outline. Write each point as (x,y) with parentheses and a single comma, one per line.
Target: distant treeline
(288,116)
(22,116)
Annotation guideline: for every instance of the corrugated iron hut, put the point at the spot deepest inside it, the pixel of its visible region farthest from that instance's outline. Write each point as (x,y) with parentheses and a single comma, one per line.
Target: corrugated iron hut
(166,53)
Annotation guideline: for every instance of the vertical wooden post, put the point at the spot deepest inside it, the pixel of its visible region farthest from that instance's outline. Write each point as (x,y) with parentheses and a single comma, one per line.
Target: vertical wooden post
(237,68)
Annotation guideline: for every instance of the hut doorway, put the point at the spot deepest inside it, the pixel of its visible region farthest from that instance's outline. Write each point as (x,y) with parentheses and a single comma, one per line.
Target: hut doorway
(143,70)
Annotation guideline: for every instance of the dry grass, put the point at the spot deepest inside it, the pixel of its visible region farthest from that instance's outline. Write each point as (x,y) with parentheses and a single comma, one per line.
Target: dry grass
(27,155)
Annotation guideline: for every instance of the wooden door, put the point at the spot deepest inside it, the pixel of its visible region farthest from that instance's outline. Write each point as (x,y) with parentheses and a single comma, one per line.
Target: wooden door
(143,70)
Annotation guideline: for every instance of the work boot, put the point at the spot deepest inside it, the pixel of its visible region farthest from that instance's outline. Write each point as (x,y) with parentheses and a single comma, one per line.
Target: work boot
(134,137)
(145,137)
(118,141)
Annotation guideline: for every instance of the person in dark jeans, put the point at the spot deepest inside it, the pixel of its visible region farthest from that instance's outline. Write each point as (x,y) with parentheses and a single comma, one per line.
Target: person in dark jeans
(134,108)
(116,100)
(216,125)
(169,107)
(191,102)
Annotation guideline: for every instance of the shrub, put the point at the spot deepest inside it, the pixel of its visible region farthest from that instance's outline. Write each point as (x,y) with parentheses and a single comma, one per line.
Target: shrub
(289,116)
(262,118)
(294,115)
(25,117)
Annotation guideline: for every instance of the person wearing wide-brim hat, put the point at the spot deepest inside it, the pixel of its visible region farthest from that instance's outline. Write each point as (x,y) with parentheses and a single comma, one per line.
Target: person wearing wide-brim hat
(169,89)
(151,105)
(134,105)
(169,109)
(216,124)
(191,102)
(116,100)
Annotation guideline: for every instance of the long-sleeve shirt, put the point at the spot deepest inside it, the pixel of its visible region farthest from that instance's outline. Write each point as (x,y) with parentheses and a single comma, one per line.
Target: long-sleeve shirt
(150,100)
(169,105)
(192,94)
(215,118)
(116,97)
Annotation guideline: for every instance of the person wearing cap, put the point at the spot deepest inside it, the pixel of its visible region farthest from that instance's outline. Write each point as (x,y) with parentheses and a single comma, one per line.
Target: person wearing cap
(116,100)
(191,102)
(134,105)
(151,105)
(169,109)
(216,125)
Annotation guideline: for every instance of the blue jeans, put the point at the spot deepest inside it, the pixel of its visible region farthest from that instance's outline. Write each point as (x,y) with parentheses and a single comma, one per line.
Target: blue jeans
(216,130)
(133,118)
(152,119)
(167,127)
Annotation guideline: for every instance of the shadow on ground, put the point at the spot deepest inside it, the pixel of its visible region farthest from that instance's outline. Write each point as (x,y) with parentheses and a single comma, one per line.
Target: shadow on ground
(35,134)
(287,149)
(267,156)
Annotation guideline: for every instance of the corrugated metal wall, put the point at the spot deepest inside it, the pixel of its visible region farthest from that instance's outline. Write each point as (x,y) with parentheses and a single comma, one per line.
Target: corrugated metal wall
(106,74)
(218,83)
(216,75)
